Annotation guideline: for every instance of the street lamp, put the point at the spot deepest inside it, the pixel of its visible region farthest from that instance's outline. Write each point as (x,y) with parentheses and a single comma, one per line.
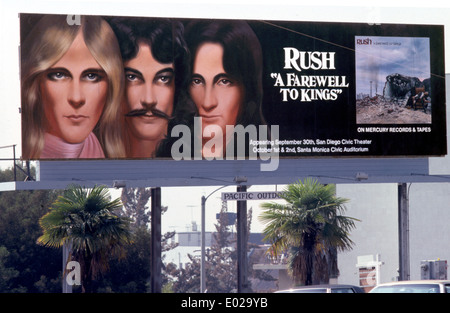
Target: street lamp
(237,180)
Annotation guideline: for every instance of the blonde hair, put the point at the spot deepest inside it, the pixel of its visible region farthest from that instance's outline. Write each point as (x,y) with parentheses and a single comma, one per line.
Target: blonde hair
(44,46)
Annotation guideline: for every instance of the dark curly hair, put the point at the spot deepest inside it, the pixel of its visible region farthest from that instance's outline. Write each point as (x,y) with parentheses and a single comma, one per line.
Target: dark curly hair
(167,44)
(242,59)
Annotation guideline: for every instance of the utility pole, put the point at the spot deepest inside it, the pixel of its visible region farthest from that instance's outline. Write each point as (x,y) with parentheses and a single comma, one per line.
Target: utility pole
(403,232)
(203,242)
(237,180)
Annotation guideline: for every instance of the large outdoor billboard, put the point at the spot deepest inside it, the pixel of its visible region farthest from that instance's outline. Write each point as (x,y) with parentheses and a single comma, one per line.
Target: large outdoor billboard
(140,87)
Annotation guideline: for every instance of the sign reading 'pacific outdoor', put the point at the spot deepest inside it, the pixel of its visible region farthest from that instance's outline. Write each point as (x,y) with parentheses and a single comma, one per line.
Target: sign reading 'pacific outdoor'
(98,87)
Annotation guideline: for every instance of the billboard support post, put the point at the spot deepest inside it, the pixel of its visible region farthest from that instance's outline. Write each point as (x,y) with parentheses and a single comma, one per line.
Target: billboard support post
(242,235)
(203,240)
(67,246)
(403,232)
(156,241)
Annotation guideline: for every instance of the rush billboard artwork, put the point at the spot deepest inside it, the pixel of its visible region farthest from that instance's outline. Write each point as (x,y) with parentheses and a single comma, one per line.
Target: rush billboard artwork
(102,87)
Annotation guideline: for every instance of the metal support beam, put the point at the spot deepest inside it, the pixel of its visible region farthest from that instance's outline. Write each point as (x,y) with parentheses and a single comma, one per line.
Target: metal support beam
(156,241)
(143,173)
(242,238)
(66,288)
(403,232)
(203,242)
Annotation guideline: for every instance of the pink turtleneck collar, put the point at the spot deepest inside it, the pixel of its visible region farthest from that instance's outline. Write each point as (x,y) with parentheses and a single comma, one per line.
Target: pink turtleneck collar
(56,148)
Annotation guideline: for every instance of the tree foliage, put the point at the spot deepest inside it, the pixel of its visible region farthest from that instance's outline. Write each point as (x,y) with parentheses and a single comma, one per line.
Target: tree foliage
(87,220)
(220,263)
(27,267)
(135,206)
(311,226)
(132,274)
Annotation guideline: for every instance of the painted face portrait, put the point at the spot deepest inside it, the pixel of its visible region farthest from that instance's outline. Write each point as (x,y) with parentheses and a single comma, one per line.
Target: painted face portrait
(72,85)
(155,59)
(74,92)
(226,79)
(217,95)
(150,90)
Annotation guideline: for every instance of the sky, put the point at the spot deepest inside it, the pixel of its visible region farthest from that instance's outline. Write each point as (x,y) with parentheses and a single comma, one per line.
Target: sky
(184,202)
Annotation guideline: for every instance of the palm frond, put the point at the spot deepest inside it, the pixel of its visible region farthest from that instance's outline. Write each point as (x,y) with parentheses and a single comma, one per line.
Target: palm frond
(310,222)
(86,218)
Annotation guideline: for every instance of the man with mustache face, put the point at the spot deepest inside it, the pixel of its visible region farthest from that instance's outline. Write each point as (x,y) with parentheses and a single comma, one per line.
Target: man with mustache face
(151,50)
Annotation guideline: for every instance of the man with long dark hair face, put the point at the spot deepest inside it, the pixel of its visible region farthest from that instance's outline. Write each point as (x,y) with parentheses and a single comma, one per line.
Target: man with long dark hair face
(226,76)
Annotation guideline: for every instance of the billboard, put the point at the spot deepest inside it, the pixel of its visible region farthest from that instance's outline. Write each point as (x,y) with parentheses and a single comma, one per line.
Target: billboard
(97,87)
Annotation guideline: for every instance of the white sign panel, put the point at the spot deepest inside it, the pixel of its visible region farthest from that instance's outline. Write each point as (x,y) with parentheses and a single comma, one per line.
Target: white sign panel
(260,195)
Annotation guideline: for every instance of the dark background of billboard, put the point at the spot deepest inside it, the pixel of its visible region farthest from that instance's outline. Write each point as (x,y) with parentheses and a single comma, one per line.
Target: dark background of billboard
(337,119)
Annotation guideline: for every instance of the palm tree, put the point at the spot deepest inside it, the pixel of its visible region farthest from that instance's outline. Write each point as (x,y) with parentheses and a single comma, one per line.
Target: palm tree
(311,226)
(86,219)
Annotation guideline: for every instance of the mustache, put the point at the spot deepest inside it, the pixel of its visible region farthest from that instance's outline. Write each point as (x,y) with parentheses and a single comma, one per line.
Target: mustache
(145,112)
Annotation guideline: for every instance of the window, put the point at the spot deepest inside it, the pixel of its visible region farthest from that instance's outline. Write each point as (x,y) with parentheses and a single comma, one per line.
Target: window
(447,288)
